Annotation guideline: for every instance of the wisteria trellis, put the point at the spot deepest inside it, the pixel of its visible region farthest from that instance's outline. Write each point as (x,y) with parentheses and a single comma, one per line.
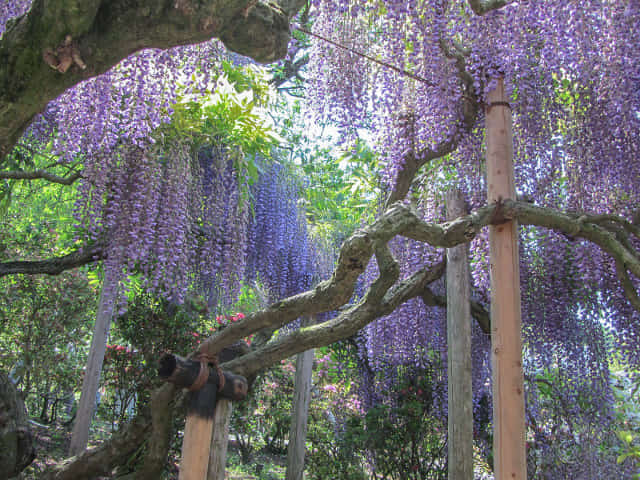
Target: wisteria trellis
(574,77)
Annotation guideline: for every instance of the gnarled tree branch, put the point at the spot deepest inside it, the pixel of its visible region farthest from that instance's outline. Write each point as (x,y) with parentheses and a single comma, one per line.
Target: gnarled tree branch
(403,220)
(54,266)
(374,305)
(101,460)
(84,38)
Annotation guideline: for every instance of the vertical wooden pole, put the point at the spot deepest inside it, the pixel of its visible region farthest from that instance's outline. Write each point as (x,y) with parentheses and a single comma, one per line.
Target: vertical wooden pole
(197,433)
(506,342)
(459,351)
(301,399)
(91,381)
(220,439)
(195,448)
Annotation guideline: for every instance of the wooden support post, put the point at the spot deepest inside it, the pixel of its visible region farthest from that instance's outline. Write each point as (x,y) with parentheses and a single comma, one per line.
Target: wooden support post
(506,342)
(197,434)
(201,407)
(301,398)
(91,381)
(220,440)
(459,351)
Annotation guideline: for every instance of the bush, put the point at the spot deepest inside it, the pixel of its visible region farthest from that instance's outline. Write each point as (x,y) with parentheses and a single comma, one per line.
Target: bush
(402,439)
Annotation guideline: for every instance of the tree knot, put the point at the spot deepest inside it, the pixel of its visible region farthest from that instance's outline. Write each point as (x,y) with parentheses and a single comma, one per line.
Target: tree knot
(64,56)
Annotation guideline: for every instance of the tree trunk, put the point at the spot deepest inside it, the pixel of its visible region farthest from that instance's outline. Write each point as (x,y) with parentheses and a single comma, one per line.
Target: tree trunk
(16,442)
(220,439)
(301,399)
(506,342)
(459,351)
(80,435)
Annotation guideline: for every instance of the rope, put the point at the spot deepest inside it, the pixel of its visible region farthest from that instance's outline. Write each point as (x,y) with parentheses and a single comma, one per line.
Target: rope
(498,104)
(203,374)
(399,70)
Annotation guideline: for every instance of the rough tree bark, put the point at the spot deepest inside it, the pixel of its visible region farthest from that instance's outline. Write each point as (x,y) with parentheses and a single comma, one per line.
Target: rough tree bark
(16,442)
(97,34)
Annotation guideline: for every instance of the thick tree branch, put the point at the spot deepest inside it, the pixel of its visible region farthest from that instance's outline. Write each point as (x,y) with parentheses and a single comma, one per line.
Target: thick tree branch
(62,42)
(100,461)
(54,266)
(41,175)
(403,220)
(588,227)
(160,438)
(609,221)
(478,312)
(345,325)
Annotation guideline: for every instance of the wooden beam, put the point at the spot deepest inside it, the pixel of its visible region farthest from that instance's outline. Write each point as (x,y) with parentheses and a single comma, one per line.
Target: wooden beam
(198,430)
(91,380)
(460,401)
(220,440)
(506,342)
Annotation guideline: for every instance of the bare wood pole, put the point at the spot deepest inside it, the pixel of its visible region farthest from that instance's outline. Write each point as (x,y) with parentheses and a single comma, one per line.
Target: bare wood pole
(220,439)
(195,447)
(459,351)
(506,342)
(91,381)
(301,399)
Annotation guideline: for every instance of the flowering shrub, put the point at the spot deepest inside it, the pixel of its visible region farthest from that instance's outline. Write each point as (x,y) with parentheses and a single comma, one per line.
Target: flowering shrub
(333,432)
(263,419)
(335,451)
(149,328)
(123,375)
(406,438)
(403,438)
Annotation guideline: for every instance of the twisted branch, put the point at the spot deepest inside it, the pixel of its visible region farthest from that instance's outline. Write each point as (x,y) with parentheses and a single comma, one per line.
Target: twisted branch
(403,220)
(55,265)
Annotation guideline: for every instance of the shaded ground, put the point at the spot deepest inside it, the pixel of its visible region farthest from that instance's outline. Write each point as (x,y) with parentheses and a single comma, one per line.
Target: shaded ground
(52,443)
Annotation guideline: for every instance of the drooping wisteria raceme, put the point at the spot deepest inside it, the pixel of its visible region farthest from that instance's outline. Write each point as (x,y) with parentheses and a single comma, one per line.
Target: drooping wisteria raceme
(177,216)
(224,226)
(573,77)
(282,255)
(10,9)
(136,195)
